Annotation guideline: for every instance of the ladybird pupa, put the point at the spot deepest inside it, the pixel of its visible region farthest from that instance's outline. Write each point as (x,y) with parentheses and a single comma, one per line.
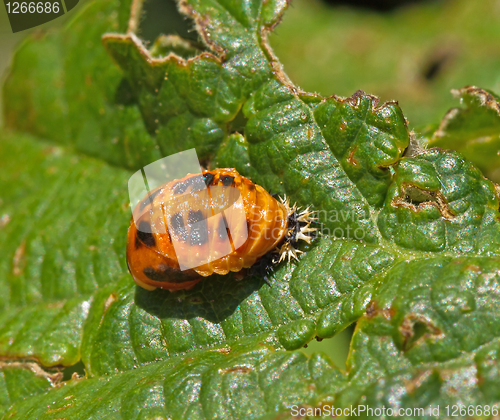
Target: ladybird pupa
(182,220)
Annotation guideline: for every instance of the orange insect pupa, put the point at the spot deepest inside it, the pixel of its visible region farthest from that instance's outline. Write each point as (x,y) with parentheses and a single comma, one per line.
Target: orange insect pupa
(203,215)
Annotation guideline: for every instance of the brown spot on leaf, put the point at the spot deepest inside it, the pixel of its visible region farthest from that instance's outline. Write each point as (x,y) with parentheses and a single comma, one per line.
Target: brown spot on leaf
(112,298)
(236,369)
(19,259)
(389,313)
(75,377)
(371,309)
(55,410)
(346,257)
(417,381)
(56,305)
(351,159)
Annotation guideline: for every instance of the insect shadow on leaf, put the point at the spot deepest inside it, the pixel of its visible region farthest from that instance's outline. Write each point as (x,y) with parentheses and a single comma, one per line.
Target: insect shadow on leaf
(214,299)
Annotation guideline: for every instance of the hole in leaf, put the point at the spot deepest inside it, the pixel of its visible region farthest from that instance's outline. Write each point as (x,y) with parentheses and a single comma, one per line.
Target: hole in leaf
(336,348)
(69,371)
(415,199)
(417,196)
(161,17)
(238,123)
(414,329)
(419,329)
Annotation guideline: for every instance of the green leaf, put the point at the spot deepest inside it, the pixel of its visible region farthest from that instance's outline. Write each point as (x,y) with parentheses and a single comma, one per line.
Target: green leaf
(62,87)
(284,142)
(216,385)
(58,246)
(138,326)
(431,332)
(473,130)
(409,244)
(439,201)
(21,380)
(366,139)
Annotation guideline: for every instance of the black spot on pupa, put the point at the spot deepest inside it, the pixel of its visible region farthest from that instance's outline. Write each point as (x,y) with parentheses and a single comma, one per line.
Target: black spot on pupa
(251,187)
(162,273)
(208,178)
(149,199)
(144,235)
(195,216)
(199,230)
(227,180)
(197,182)
(182,186)
(178,225)
(166,273)
(152,274)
